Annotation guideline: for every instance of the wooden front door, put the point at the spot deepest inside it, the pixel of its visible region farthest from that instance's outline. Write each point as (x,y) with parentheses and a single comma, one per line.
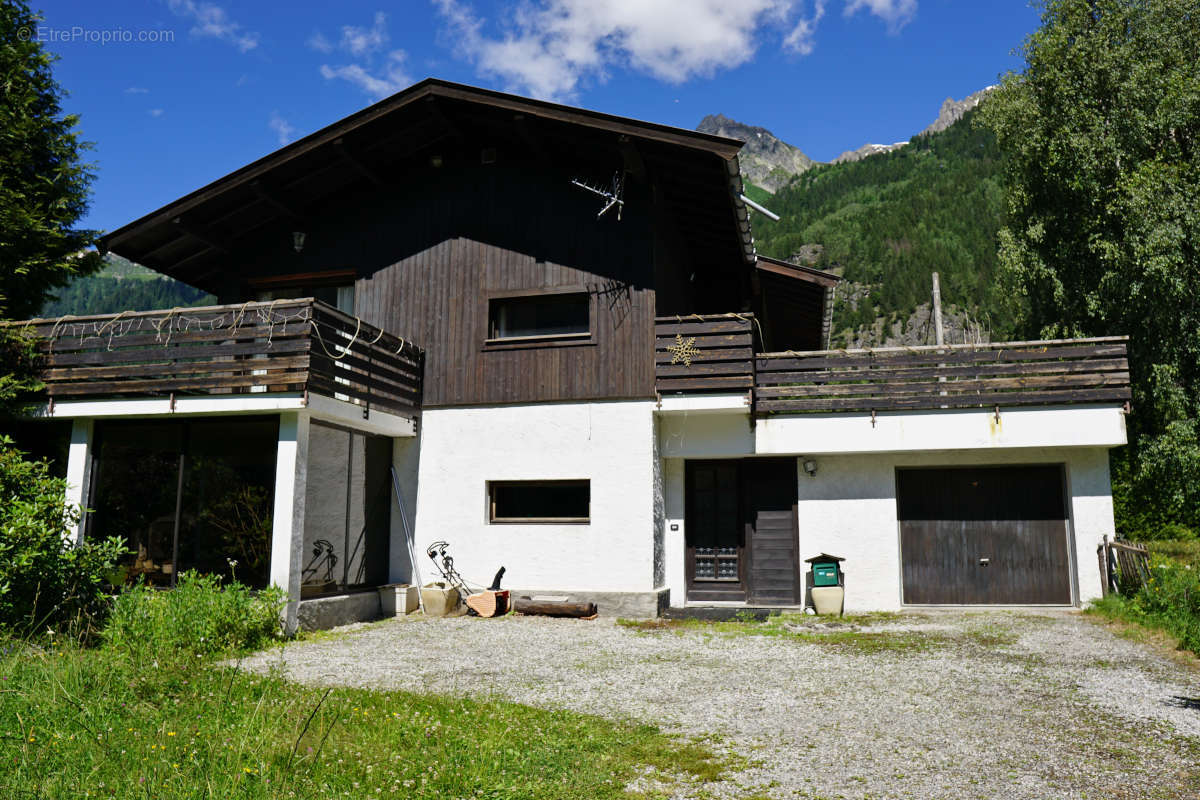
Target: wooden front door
(769,486)
(984,536)
(741,531)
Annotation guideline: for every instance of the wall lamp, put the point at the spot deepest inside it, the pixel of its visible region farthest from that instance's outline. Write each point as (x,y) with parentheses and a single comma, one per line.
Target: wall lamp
(298,240)
(810,466)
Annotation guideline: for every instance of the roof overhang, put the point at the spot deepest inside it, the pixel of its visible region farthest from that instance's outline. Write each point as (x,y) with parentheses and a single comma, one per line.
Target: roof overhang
(189,237)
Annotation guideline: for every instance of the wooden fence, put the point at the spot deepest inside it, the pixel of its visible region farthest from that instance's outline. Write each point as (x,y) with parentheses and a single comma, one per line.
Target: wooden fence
(276,346)
(1124,566)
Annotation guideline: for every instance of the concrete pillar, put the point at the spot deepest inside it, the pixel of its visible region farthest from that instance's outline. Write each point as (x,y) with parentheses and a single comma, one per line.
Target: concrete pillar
(287,522)
(405,461)
(79,473)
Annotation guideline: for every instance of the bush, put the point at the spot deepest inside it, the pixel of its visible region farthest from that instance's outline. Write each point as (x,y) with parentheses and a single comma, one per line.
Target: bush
(45,581)
(1170,600)
(200,616)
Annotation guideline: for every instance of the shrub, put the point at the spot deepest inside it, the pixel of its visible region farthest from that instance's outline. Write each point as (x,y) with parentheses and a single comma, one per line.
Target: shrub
(200,616)
(1170,600)
(46,581)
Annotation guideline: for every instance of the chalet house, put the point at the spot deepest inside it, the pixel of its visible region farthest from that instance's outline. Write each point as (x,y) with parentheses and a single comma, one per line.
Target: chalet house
(543,334)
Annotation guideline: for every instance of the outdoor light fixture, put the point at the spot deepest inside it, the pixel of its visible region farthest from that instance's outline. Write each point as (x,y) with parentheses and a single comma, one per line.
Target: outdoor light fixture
(435,161)
(810,467)
(298,240)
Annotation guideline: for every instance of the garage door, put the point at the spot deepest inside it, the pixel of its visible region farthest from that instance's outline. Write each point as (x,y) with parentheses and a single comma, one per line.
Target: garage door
(984,535)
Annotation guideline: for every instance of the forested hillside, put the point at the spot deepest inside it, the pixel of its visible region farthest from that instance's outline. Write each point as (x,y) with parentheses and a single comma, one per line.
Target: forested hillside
(122,286)
(887,221)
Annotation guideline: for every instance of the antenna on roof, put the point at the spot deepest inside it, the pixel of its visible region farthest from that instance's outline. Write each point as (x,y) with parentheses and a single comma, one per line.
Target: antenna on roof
(612,195)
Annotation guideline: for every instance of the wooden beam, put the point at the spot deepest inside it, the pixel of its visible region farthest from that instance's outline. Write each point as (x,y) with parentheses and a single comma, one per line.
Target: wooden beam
(339,147)
(200,235)
(435,111)
(635,165)
(271,199)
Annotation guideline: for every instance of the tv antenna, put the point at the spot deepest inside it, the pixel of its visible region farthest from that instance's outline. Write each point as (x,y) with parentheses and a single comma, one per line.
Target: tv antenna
(612,195)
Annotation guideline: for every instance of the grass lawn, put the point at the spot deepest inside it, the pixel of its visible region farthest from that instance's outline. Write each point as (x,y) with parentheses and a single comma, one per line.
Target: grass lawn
(105,723)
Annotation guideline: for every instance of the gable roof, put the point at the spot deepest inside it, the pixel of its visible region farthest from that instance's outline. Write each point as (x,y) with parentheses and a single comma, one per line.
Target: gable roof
(188,237)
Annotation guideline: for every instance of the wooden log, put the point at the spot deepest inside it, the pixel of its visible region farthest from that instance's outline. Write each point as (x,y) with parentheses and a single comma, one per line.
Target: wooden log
(554,608)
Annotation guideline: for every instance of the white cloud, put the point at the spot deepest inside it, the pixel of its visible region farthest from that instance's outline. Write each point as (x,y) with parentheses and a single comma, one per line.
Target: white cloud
(802,39)
(389,79)
(548,48)
(362,41)
(283,129)
(319,43)
(375,76)
(155,112)
(136,90)
(896,13)
(213,21)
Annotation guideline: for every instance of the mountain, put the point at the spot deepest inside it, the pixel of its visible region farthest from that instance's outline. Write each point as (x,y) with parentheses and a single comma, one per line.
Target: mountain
(951,112)
(766,161)
(122,285)
(770,163)
(886,222)
(867,150)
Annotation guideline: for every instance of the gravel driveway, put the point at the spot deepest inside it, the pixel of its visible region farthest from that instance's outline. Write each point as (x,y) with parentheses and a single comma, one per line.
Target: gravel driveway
(937,705)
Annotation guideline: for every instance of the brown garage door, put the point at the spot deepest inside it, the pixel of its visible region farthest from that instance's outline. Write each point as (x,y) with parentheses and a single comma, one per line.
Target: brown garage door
(984,535)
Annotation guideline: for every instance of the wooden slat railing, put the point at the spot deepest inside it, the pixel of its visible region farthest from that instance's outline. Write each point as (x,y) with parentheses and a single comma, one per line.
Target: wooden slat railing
(275,346)
(704,353)
(951,376)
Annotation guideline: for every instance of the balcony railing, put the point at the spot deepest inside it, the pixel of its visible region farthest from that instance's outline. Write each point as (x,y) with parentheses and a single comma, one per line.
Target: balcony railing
(704,353)
(709,354)
(277,346)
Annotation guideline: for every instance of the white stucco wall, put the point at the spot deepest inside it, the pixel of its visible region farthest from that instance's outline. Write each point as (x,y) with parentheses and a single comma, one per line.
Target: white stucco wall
(611,444)
(849,508)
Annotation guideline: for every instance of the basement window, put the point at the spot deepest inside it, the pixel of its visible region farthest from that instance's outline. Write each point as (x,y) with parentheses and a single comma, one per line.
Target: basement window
(543,316)
(539,501)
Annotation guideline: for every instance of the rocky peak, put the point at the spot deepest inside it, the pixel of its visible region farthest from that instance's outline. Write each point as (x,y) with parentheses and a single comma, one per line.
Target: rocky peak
(953,110)
(766,161)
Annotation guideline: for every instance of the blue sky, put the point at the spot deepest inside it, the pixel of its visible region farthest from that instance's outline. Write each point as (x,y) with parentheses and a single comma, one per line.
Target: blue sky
(176,93)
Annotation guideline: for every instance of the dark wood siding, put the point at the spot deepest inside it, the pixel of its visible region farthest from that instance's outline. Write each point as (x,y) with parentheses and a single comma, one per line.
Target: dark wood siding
(428,258)
(984,535)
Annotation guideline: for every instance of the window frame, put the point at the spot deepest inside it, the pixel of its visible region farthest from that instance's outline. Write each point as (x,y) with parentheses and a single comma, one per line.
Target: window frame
(490,498)
(491,342)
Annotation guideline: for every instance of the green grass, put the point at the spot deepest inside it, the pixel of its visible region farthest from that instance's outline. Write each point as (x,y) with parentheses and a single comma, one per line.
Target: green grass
(111,723)
(842,633)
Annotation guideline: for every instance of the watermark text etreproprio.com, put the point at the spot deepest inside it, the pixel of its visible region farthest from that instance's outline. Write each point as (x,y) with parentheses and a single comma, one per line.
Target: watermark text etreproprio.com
(78,33)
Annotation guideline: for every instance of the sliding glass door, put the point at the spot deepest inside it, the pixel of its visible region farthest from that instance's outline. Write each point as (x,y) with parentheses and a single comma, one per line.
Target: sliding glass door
(194,494)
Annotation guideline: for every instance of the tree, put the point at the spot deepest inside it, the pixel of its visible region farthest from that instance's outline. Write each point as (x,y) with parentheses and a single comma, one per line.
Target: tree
(1102,137)
(43,181)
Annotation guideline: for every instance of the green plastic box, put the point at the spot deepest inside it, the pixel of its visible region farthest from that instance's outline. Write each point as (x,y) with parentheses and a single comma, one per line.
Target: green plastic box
(825,574)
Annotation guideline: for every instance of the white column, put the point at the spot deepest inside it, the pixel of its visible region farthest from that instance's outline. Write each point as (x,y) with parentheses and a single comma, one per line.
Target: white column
(79,473)
(405,460)
(287,522)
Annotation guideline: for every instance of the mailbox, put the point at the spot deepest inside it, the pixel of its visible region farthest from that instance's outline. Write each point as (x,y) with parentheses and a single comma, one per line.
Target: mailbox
(826,570)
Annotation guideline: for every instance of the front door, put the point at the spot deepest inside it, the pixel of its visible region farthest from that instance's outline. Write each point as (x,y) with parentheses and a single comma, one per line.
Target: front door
(716,542)
(741,531)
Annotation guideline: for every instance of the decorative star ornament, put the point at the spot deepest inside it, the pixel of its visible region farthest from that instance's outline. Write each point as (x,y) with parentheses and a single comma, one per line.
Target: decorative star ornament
(683,351)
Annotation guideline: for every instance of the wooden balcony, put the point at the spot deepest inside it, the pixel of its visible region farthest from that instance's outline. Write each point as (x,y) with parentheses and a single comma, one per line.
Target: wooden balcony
(299,346)
(714,353)
(704,353)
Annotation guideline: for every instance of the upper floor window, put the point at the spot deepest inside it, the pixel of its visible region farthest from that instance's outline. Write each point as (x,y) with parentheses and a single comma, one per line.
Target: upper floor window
(332,287)
(557,315)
